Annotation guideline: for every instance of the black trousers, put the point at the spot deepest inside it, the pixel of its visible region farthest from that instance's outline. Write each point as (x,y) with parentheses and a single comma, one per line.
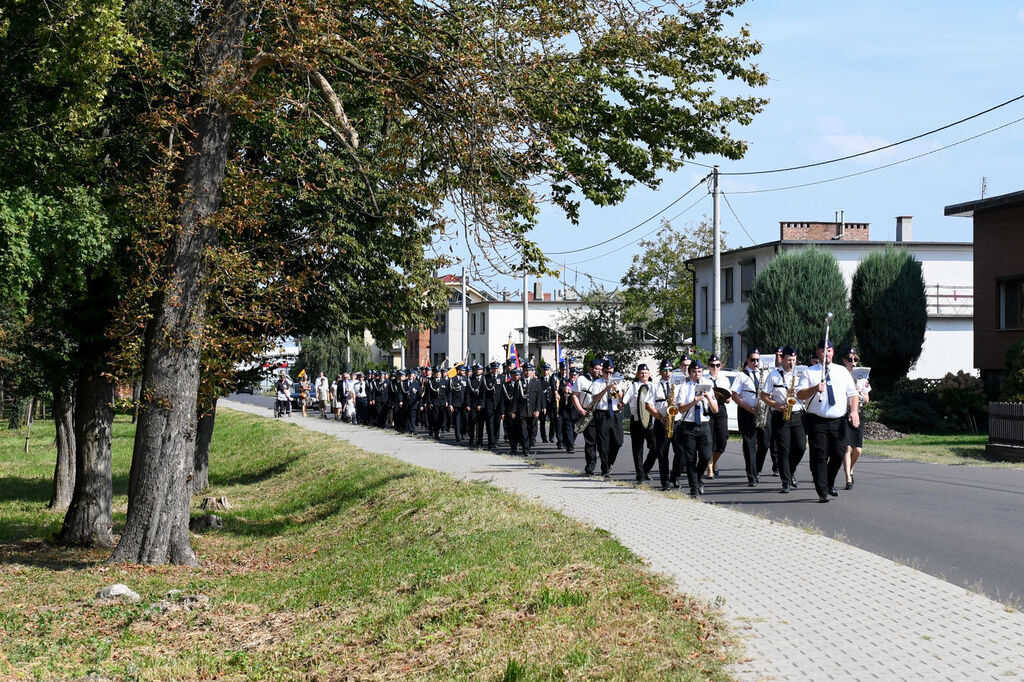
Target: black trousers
(789,441)
(528,426)
(638,436)
(827,438)
(361,408)
(550,422)
(492,418)
(696,451)
(764,445)
(590,446)
(567,428)
(659,453)
(609,438)
(513,430)
(748,434)
(459,421)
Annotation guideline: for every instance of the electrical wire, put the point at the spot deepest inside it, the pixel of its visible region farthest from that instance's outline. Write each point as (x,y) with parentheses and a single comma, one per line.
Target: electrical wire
(878,168)
(882,148)
(635,227)
(738,222)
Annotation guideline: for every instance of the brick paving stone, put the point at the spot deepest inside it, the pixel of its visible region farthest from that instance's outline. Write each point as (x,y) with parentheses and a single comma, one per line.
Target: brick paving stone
(807,607)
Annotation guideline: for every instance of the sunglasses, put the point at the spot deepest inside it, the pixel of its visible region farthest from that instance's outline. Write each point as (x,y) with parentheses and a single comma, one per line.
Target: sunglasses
(753,359)
(853,359)
(716,364)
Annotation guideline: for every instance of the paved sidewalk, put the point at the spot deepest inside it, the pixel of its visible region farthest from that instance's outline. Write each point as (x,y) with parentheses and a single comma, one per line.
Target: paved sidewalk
(809,607)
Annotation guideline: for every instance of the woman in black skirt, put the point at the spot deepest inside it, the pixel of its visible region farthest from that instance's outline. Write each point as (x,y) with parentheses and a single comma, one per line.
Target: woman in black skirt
(855,436)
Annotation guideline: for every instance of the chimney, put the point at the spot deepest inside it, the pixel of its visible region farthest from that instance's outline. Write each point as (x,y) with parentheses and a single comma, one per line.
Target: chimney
(904,228)
(547,297)
(538,290)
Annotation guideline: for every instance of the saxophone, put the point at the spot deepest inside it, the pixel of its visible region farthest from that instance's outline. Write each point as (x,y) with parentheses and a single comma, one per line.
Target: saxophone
(787,413)
(761,418)
(670,429)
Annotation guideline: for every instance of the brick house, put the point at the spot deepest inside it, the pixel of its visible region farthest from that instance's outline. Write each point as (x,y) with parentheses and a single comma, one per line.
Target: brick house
(998,280)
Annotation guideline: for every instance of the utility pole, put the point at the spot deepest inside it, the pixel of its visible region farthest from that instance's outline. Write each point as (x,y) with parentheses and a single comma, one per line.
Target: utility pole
(716,250)
(348,351)
(526,321)
(465,319)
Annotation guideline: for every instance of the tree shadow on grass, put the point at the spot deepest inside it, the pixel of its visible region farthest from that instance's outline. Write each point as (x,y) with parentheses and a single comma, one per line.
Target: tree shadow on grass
(979,452)
(251,477)
(38,490)
(290,517)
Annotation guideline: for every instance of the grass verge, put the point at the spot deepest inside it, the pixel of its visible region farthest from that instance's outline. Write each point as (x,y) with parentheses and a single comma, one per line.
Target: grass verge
(335,563)
(948,449)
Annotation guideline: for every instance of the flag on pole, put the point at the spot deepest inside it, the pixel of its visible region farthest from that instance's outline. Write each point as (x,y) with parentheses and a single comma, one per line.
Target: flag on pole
(515,356)
(302,374)
(558,350)
(510,350)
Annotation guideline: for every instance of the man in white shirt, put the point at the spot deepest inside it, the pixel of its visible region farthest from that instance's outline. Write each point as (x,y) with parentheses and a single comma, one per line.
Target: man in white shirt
(830,393)
(322,388)
(746,391)
(696,404)
(607,416)
(788,438)
(585,397)
(635,396)
(658,400)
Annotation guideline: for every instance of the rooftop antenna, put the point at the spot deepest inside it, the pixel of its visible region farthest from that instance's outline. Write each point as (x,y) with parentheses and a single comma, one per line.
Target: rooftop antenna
(984,186)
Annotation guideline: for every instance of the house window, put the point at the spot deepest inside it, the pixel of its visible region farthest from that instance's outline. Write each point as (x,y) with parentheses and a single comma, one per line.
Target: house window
(727,352)
(726,285)
(1011,303)
(482,318)
(472,324)
(440,328)
(747,272)
(704,310)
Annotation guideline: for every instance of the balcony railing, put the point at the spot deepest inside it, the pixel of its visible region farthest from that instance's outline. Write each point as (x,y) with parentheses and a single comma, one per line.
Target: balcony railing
(950,301)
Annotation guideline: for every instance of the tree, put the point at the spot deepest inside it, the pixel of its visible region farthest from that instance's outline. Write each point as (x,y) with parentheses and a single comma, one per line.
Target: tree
(890,313)
(597,329)
(790,298)
(1013,386)
(659,287)
(349,135)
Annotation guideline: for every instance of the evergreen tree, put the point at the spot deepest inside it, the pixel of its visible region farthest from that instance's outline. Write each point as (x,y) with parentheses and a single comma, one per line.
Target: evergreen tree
(889,313)
(790,298)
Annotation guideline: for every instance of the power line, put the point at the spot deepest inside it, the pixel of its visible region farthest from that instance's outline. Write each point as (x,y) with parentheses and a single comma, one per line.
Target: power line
(882,148)
(878,168)
(726,197)
(635,227)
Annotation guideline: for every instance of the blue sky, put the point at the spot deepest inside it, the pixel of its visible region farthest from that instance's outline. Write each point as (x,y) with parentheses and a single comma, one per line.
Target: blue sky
(845,77)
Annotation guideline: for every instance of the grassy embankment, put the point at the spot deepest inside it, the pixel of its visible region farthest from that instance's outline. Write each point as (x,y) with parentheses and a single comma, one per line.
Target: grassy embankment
(948,449)
(334,563)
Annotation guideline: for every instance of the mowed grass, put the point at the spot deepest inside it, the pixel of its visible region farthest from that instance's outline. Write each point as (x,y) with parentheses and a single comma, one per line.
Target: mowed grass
(954,449)
(335,563)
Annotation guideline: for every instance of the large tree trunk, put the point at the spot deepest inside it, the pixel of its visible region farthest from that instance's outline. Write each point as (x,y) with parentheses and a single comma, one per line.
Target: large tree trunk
(89,519)
(64,472)
(201,462)
(136,397)
(159,492)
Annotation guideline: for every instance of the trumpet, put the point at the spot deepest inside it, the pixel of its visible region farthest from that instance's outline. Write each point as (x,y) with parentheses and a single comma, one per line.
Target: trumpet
(670,427)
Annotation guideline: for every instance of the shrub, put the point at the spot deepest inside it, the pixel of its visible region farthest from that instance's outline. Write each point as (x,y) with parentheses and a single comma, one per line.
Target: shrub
(1013,387)
(963,396)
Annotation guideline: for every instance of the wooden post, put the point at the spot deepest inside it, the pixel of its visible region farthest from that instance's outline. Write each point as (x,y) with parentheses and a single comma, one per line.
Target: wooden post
(28,421)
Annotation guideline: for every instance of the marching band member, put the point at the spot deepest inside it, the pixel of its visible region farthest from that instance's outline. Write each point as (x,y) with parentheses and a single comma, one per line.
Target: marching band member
(788,438)
(658,401)
(695,406)
(855,434)
(830,399)
(720,419)
(607,417)
(584,398)
(635,395)
(746,391)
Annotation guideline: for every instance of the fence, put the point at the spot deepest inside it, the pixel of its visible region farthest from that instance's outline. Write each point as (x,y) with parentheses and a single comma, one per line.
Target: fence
(1006,424)
(950,301)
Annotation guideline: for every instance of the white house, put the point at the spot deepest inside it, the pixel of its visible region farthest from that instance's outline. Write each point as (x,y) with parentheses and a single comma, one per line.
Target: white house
(948,269)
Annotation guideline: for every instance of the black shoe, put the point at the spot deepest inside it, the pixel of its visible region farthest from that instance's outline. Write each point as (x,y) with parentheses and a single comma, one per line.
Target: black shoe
(700,489)
(675,484)
(751,484)
(833,492)
(849,485)
(775,472)
(822,499)
(646,477)
(664,487)
(606,476)
(785,488)
(794,485)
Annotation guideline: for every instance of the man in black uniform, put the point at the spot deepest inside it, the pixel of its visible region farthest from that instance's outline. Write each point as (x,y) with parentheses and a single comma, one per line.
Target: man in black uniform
(436,398)
(457,403)
(532,411)
(513,398)
(493,405)
(415,400)
(474,406)
(383,398)
(557,395)
(568,410)
(549,416)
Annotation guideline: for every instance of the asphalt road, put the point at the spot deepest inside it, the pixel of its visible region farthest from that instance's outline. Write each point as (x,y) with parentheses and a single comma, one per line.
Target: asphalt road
(964,524)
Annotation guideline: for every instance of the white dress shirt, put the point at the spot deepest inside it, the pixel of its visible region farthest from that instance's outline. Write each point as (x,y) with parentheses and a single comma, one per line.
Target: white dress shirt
(744,386)
(843,388)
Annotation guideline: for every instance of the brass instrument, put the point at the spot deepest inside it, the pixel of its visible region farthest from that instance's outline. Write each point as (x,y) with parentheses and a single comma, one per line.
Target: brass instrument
(787,413)
(723,395)
(584,422)
(761,417)
(670,427)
